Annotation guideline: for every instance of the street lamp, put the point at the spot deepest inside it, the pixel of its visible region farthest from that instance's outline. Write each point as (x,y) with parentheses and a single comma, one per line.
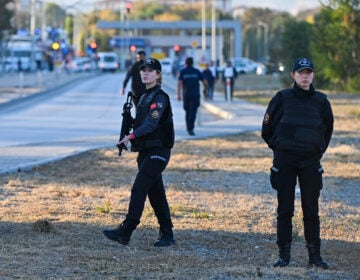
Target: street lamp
(266,44)
(213,28)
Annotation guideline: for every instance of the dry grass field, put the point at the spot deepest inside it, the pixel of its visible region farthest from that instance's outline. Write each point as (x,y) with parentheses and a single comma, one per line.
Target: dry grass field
(223,208)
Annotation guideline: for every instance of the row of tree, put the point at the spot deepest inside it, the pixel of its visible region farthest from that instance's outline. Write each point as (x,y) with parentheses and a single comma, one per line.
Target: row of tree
(329,36)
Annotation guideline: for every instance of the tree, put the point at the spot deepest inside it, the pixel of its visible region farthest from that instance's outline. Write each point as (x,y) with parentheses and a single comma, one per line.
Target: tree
(6,15)
(69,27)
(55,15)
(295,41)
(336,44)
(276,22)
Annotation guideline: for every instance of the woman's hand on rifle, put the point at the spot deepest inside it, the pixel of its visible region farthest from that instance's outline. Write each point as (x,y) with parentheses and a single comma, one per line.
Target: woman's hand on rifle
(126,139)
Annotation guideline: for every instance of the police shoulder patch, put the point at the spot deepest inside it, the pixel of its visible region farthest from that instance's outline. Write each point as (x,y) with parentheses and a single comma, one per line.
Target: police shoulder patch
(155,114)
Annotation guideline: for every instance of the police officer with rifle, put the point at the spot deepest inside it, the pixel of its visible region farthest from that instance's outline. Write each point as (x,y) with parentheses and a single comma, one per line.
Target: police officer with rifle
(153,138)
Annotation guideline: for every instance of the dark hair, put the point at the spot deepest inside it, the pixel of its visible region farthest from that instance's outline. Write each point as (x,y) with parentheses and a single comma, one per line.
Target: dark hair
(141,53)
(189,61)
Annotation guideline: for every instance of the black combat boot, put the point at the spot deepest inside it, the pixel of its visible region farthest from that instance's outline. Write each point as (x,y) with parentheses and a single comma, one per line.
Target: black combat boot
(122,233)
(284,255)
(166,235)
(315,257)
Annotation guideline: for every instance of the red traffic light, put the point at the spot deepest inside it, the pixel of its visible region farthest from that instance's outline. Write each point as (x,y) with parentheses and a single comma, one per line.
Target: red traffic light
(176,48)
(133,48)
(128,7)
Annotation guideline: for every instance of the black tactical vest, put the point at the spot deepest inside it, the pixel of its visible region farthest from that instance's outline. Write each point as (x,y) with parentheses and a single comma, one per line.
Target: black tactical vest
(301,129)
(163,135)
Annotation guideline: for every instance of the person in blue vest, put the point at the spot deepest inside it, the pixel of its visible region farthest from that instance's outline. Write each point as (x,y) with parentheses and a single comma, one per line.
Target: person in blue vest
(297,127)
(189,91)
(153,138)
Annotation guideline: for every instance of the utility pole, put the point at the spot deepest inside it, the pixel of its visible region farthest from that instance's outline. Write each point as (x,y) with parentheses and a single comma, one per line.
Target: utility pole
(213,31)
(265,26)
(203,27)
(32,17)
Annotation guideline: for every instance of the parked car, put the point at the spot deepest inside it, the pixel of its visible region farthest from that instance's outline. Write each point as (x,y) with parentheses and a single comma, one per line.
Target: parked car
(244,65)
(77,65)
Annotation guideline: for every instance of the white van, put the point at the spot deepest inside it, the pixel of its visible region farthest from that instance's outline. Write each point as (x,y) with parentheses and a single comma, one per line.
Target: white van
(108,61)
(166,65)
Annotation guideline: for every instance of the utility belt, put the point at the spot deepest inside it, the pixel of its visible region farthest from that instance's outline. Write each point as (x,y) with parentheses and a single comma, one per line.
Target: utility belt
(140,145)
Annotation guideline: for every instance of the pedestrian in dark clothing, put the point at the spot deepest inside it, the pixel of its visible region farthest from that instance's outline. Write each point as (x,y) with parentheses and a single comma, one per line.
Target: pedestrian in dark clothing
(297,126)
(189,90)
(210,79)
(137,86)
(19,65)
(152,138)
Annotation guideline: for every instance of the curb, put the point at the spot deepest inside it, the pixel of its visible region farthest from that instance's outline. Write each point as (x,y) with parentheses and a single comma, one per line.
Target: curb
(218,111)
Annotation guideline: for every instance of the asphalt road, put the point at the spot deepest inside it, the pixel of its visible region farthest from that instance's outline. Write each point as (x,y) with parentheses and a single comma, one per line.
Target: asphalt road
(87,115)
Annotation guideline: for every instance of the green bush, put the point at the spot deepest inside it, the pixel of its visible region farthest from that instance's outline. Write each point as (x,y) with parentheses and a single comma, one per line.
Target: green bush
(353,84)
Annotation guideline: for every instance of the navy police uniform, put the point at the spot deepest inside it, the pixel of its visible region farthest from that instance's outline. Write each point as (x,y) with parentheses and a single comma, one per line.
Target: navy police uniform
(153,139)
(297,126)
(190,78)
(137,86)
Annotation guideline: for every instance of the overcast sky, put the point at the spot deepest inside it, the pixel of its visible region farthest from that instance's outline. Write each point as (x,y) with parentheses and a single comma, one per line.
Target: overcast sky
(291,6)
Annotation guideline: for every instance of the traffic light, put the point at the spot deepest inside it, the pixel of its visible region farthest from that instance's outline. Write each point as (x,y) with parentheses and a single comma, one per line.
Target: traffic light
(176,49)
(133,48)
(55,46)
(128,7)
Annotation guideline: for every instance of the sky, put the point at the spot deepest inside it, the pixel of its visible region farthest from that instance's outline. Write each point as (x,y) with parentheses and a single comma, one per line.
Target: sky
(291,6)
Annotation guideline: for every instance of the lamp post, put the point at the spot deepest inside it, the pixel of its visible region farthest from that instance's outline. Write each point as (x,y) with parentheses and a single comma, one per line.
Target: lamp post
(203,26)
(265,40)
(213,32)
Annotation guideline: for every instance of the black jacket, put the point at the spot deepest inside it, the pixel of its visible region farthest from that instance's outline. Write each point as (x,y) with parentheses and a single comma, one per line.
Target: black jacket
(153,124)
(298,125)
(137,86)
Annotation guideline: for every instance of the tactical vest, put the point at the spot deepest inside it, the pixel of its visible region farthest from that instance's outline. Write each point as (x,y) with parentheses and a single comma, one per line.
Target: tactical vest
(301,129)
(163,135)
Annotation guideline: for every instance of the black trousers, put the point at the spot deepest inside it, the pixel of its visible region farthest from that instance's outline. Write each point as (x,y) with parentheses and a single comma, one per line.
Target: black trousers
(149,183)
(191,105)
(283,179)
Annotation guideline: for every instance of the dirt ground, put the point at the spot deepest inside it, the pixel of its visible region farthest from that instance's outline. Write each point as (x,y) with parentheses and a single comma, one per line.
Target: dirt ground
(223,209)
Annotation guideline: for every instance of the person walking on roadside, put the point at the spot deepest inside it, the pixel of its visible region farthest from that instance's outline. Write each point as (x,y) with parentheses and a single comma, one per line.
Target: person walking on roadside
(137,86)
(297,127)
(189,90)
(153,139)
(210,79)
(230,75)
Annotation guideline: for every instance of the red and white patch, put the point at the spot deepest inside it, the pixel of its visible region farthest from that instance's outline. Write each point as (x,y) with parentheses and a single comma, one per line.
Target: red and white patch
(153,106)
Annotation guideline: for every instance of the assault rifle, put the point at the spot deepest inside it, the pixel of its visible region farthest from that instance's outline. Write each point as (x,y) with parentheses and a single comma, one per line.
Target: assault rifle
(127,121)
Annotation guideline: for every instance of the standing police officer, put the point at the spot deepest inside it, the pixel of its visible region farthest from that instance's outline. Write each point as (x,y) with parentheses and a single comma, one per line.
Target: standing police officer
(297,126)
(137,86)
(189,90)
(153,138)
